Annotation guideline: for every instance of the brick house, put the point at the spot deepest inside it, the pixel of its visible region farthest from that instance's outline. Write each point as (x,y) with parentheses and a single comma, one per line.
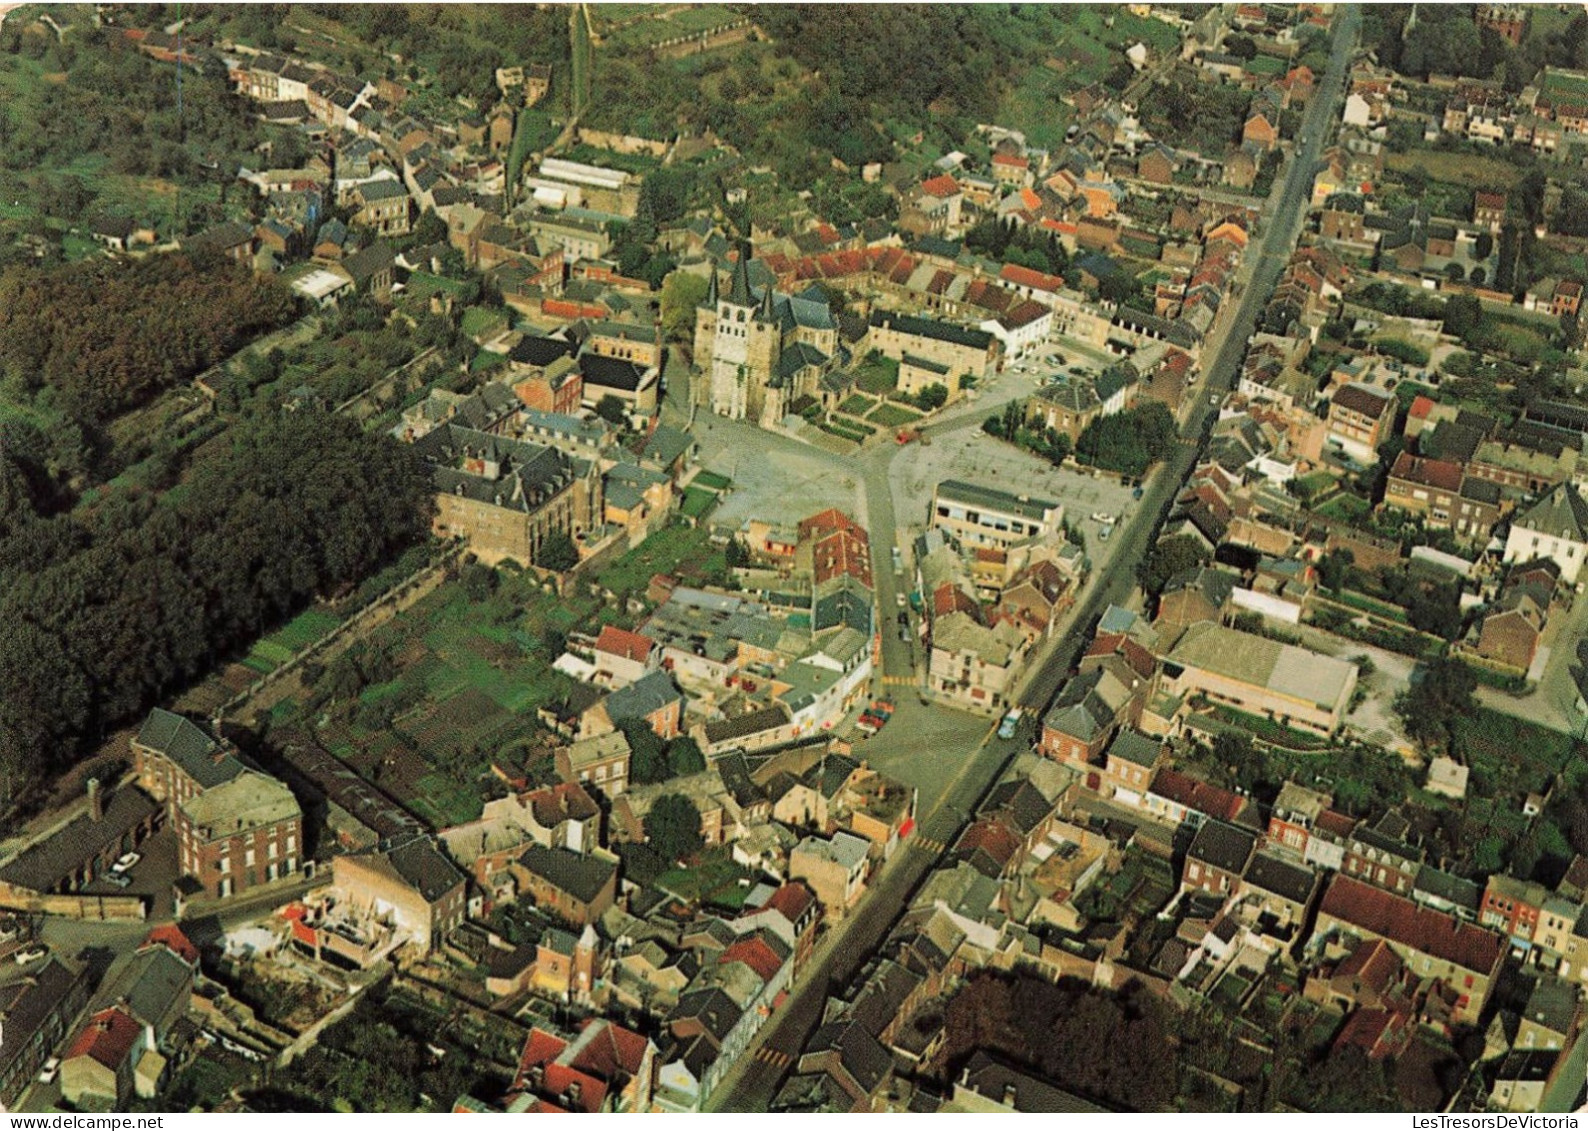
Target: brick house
(576,887)
(239,835)
(1260,132)
(1217,858)
(1510,633)
(1360,419)
(412,884)
(600,762)
(1466,957)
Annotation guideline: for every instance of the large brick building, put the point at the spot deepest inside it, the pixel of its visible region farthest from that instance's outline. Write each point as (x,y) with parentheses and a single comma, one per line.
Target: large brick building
(412,885)
(505,497)
(239,835)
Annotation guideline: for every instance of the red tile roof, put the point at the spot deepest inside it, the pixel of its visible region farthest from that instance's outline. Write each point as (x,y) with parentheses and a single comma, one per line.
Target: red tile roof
(1025,277)
(792,901)
(171,937)
(843,552)
(1010,161)
(1372,963)
(107,1038)
(1440,474)
(1335,824)
(613,1051)
(942,186)
(1198,795)
(1421,407)
(989,836)
(615,641)
(755,954)
(1440,936)
(824,522)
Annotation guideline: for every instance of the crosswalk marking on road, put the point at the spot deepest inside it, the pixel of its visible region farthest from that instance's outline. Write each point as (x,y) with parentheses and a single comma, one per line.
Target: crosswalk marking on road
(774,1057)
(929,844)
(898,680)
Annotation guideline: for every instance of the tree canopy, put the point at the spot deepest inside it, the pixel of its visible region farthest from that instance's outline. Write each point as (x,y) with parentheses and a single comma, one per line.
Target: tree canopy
(102,611)
(108,335)
(672,827)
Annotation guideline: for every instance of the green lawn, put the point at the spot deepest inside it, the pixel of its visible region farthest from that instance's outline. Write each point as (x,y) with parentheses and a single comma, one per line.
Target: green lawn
(697,502)
(1518,756)
(666,551)
(712,481)
(858,404)
(1346,508)
(877,374)
(714,876)
(893,416)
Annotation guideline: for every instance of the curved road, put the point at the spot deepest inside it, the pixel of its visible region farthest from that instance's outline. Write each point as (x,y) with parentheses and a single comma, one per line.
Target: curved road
(752,1083)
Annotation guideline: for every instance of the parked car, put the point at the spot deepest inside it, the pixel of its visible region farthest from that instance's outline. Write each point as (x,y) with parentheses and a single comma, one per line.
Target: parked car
(30,954)
(118,879)
(1010,723)
(126,863)
(1102,535)
(899,597)
(868,724)
(51,1069)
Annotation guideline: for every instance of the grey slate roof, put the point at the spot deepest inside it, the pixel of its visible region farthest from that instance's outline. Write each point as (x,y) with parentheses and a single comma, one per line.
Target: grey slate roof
(646,695)
(149,983)
(42,867)
(1223,846)
(424,867)
(580,876)
(183,742)
(1284,879)
(1563,513)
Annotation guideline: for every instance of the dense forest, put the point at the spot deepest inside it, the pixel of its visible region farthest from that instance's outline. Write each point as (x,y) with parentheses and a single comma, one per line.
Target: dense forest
(102,613)
(106,335)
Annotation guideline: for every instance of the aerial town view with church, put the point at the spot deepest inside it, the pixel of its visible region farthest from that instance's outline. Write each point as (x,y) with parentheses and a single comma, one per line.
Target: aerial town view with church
(793,558)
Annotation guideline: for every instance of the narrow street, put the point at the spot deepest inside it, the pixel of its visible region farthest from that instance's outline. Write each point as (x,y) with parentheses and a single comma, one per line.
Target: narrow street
(754,1081)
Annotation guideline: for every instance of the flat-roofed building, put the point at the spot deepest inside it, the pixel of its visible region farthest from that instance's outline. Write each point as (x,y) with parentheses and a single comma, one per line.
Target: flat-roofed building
(984,516)
(1290,685)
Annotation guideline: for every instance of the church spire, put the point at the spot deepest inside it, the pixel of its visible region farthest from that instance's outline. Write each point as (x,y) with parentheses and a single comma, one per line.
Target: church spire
(739,288)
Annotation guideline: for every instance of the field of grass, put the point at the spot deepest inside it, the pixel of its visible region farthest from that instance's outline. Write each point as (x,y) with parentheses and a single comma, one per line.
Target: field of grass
(677,550)
(1035,103)
(1469,169)
(893,416)
(877,374)
(858,404)
(712,481)
(697,502)
(1346,508)
(1516,755)
(713,878)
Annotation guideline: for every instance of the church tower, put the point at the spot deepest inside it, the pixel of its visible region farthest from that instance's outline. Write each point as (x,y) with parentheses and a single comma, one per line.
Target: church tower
(730,348)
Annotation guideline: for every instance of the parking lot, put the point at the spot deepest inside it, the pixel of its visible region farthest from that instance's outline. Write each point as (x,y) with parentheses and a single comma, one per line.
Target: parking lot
(774,477)
(151,877)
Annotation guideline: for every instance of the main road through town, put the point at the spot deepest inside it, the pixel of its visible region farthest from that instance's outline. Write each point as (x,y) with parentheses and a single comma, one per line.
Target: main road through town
(752,1083)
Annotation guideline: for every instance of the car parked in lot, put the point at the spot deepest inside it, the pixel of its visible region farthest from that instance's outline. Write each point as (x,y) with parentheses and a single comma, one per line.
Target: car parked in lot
(126,863)
(51,1069)
(30,954)
(118,879)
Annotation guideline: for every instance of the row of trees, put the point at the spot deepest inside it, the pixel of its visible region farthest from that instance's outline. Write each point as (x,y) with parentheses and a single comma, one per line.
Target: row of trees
(102,613)
(107,335)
